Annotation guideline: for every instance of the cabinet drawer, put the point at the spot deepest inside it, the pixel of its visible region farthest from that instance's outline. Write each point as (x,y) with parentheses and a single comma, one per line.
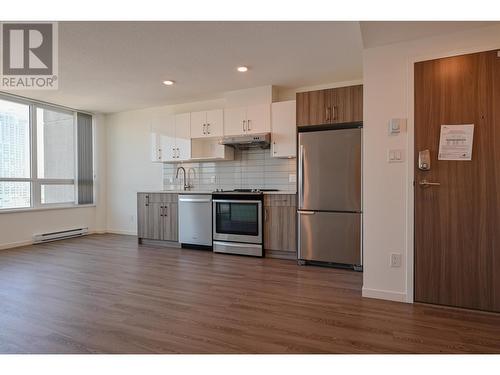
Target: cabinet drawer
(162,197)
(280,200)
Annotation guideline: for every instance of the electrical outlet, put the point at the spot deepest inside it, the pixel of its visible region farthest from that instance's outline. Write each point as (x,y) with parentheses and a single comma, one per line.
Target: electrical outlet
(395,260)
(292,177)
(132,218)
(212,180)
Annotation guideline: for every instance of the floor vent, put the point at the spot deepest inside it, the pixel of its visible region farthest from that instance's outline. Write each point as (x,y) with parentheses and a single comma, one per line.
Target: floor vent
(61,235)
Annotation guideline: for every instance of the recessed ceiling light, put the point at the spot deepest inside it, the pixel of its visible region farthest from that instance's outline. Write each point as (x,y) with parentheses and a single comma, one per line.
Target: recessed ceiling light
(168,83)
(242,69)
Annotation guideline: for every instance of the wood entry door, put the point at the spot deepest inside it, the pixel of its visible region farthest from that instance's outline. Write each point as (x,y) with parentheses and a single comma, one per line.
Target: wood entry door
(457,223)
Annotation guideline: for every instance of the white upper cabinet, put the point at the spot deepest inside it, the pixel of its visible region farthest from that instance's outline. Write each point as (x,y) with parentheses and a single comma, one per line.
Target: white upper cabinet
(182,136)
(207,123)
(258,119)
(235,120)
(171,137)
(284,129)
(162,136)
(215,123)
(247,120)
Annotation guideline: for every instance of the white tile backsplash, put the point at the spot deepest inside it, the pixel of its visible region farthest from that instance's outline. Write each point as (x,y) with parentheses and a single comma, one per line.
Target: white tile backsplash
(254,168)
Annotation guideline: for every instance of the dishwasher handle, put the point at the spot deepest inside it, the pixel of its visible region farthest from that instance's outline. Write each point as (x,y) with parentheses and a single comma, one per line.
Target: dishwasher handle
(195,200)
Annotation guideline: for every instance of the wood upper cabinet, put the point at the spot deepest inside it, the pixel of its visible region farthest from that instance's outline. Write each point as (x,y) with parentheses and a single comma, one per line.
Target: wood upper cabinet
(157,216)
(207,124)
(280,226)
(330,106)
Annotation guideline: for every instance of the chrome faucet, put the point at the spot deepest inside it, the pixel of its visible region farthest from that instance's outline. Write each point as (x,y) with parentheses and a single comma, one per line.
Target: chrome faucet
(185,186)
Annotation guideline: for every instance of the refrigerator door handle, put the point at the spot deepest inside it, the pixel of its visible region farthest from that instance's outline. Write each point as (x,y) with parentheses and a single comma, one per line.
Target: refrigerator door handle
(301,176)
(305,212)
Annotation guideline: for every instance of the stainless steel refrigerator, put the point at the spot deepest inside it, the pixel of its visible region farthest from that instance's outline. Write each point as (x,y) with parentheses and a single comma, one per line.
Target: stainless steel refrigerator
(329,194)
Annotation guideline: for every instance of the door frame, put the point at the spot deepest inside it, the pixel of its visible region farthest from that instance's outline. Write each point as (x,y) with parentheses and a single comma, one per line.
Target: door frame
(410,145)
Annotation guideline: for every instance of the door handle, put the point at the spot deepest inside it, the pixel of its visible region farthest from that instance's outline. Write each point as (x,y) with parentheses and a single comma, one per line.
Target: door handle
(425,183)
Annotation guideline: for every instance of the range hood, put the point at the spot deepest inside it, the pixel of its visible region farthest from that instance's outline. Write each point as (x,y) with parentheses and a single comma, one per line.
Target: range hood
(246,141)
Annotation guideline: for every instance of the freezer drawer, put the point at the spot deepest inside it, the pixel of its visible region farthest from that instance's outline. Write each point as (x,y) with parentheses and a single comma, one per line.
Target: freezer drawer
(330,237)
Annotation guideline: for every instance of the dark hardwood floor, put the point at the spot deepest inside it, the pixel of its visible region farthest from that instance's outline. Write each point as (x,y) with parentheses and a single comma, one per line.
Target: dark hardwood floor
(106,294)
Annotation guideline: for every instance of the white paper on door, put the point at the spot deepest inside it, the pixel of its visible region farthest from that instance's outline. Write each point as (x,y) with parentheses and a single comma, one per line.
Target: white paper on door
(455,142)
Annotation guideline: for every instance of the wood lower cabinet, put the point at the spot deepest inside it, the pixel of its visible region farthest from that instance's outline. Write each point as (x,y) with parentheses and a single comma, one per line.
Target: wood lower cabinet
(330,106)
(280,226)
(157,216)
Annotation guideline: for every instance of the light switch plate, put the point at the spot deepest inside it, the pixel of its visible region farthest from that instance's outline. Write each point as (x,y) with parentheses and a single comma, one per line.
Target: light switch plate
(395,155)
(395,260)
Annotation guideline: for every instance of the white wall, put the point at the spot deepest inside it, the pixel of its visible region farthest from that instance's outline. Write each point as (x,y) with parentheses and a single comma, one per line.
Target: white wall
(388,190)
(17,229)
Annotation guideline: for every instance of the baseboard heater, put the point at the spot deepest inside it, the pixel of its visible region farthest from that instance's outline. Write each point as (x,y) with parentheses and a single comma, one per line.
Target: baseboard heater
(61,235)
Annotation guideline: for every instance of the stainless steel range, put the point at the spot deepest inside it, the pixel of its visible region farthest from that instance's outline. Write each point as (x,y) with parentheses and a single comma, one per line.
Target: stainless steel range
(237,222)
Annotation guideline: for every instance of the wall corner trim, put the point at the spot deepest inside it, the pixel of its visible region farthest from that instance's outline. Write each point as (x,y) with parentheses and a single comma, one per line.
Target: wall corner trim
(384,294)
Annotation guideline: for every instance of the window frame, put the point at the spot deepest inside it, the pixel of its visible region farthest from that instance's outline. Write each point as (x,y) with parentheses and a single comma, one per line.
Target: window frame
(35,182)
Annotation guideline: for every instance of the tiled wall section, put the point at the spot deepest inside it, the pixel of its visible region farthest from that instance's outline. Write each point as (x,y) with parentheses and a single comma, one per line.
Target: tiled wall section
(253,168)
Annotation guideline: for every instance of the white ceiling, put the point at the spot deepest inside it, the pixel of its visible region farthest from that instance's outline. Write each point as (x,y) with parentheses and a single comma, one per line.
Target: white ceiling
(377,33)
(115,66)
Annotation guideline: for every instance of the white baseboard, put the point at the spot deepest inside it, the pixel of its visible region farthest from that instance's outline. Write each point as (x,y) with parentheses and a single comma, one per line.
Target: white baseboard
(125,232)
(384,294)
(15,244)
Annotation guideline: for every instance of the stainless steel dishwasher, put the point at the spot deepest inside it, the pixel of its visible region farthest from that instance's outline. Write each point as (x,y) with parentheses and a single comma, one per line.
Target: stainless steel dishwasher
(195,220)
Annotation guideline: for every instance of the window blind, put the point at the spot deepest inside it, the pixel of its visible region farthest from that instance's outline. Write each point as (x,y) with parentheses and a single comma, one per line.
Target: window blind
(85,159)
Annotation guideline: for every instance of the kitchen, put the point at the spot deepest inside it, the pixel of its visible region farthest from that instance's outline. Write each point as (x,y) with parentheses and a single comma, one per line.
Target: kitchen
(253,187)
(231,178)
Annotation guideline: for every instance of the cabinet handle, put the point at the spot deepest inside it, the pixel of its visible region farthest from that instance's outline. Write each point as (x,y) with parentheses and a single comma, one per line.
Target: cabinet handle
(204,129)
(161,211)
(178,153)
(208,128)
(265,214)
(274,147)
(244,121)
(248,126)
(333,113)
(166,211)
(326,113)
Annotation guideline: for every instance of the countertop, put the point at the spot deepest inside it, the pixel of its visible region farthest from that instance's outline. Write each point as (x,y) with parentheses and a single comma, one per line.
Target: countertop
(210,192)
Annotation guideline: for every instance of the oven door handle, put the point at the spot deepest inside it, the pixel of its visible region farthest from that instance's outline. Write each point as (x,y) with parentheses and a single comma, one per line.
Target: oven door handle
(236,201)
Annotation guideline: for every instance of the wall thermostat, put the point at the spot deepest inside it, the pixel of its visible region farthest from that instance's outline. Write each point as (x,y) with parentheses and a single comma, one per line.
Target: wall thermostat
(397,125)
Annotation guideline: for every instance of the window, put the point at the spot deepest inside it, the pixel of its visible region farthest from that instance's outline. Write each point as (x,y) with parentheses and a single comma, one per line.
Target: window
(45,156)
